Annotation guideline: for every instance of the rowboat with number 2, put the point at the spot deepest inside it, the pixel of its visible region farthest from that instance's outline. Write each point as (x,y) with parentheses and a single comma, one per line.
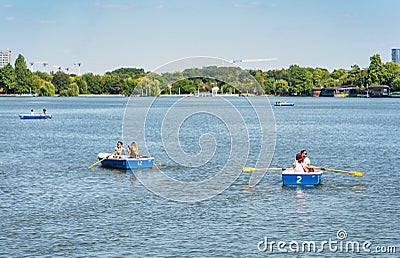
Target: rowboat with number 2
(291,177)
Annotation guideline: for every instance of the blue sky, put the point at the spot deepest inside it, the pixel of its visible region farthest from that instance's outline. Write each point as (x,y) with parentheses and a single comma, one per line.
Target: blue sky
(106,35)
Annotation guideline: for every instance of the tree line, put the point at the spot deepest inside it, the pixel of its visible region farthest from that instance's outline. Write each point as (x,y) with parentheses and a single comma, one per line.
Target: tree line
(127,81)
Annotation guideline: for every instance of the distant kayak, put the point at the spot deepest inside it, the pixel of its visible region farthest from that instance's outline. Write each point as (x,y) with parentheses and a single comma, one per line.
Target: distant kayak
(283,104)
(35,116)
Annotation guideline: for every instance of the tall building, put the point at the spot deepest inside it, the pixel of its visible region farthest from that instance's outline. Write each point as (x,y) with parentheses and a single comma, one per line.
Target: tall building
(396,55)
(5,57)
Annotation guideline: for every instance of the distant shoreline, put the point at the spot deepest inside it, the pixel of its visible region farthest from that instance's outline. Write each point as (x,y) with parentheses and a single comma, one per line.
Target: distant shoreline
(57,95)
(121,95)
(185,95)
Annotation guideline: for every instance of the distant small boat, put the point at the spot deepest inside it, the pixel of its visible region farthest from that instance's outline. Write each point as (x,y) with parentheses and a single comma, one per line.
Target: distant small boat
(283,104)
(125,162)
(35,116)
(395,94)
(290,177)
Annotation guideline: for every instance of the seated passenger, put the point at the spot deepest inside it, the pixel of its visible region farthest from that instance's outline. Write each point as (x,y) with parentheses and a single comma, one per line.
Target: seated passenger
(134,151)
(298,164)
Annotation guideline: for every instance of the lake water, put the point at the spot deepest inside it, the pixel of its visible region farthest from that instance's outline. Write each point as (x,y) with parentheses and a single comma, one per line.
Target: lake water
(51,204)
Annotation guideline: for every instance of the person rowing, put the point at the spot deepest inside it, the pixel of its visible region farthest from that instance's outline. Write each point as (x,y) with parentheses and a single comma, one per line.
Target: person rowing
(119,149)
(306,161)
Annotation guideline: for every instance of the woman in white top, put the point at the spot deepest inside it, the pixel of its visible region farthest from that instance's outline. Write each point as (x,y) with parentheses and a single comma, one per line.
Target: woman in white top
(298,165)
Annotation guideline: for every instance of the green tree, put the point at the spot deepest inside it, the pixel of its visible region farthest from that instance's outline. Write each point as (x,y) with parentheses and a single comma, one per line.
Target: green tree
(269,87)
(44,76)
(94,83)
(375,70)
(281,86)
(125,73)
(148,86)
(395,86)
(7,79)
(46,88)
(184,86)
(391,71)
(61,81)
(23,76)
(113,84)
(340,76)
(320,77)
(300,80)
(355,76)
(71,91)
(83,87)
(130,85)
(331,82)
(259,76)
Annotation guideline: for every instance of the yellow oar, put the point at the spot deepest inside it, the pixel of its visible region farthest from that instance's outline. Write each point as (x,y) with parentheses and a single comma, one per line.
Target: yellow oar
(159,165)
(353,173)
(254,169)
(94,164)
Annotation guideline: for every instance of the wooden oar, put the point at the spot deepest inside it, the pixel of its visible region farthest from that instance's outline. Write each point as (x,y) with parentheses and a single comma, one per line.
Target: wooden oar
(106,157)
(254,169)
(353,173)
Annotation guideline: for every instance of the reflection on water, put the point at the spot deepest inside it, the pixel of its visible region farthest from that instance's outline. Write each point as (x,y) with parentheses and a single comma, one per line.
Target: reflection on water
(301,201)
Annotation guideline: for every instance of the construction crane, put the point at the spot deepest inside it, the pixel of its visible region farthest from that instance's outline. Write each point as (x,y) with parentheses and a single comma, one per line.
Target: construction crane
(58,67)
(44,66)
(32,63)
(79,68)
(44,63)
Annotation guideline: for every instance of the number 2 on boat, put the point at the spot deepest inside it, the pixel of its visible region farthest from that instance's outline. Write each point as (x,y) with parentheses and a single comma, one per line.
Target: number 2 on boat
(298,180)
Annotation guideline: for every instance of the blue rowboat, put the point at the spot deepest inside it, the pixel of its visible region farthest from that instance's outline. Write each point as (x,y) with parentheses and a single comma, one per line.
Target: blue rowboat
(291,177)
(35,116)
(124,162)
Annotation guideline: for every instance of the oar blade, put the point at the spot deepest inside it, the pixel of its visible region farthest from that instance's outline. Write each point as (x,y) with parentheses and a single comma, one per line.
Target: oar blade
(159,165)
(248,169)
(356,173)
